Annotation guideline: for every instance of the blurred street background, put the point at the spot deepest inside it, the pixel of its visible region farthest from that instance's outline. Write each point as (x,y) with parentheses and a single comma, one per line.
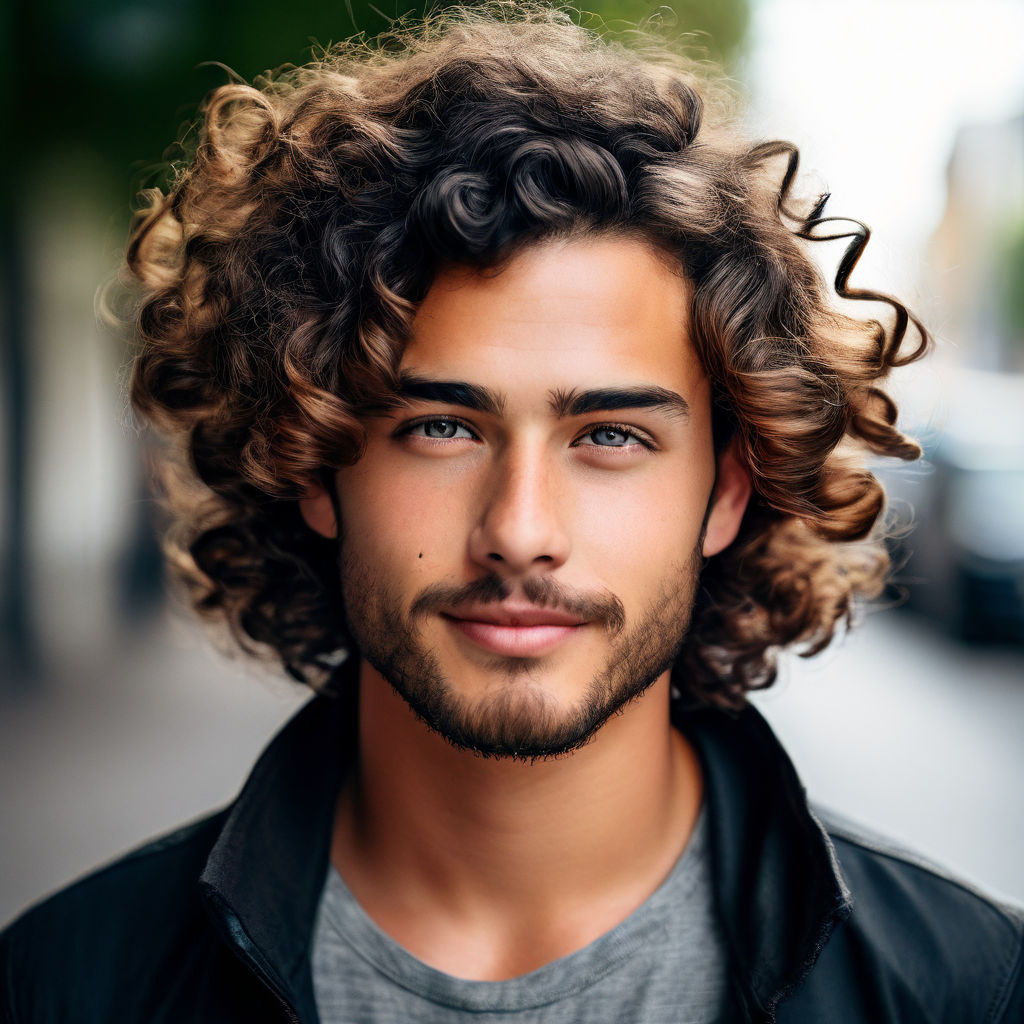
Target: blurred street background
(118,720)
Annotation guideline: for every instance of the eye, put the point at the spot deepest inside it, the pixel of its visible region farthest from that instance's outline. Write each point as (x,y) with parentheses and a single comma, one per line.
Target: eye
(441,429)
(612,435)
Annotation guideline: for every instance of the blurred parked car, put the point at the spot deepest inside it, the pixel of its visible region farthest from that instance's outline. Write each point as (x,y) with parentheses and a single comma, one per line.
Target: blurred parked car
(963,561)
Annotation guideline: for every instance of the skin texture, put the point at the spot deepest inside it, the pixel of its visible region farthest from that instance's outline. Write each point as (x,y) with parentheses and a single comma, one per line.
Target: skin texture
(488,867)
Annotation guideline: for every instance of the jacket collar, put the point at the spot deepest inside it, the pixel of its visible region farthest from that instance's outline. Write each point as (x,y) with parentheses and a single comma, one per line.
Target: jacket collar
(778,888)
(264,876)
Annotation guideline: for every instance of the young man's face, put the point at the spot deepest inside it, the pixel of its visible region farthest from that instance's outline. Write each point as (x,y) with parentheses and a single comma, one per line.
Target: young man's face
(521,541)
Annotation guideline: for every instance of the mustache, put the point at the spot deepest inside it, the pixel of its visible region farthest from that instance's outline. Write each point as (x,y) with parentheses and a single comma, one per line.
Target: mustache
(541,591)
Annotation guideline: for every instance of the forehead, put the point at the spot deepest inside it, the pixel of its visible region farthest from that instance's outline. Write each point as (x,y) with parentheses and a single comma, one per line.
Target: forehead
(591,311)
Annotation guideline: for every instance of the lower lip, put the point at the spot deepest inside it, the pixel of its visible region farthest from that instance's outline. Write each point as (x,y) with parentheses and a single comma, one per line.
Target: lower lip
(514,641)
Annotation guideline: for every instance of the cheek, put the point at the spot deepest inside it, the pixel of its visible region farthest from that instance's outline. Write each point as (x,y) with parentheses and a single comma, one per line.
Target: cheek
(393,522)
(633,536)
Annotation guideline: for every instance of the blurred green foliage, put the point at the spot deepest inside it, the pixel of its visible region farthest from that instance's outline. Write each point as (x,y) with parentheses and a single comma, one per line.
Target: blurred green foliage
(1011,286)
(717,28)
(117,80)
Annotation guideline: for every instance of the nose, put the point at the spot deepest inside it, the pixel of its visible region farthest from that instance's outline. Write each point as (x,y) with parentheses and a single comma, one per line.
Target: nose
(519,530)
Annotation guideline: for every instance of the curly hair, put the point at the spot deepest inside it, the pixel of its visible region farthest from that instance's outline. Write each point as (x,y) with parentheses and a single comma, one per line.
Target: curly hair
(278,276)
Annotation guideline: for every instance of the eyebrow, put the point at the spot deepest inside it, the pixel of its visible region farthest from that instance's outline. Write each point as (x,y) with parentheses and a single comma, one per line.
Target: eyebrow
(573,402)
(450,392)
(580,403)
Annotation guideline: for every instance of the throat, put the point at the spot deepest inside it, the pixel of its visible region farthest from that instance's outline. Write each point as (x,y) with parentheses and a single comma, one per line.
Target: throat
(488,869)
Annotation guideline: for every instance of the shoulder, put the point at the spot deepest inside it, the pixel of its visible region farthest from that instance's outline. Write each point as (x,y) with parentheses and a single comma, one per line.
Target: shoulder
(893,886)
(135,913)
(933,947)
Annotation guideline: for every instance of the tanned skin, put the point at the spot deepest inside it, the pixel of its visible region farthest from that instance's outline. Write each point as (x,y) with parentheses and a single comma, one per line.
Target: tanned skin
(488,867)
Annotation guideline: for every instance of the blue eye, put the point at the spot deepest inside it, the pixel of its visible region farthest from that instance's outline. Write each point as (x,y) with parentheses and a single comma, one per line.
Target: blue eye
(440,429)
(610,437)
(616,436)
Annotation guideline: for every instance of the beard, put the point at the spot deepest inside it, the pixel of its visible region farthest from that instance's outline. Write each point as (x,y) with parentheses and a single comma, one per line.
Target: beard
(518,720)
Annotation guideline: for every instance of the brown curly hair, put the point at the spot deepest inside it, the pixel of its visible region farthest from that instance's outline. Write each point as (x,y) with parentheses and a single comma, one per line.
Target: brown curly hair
(279,274)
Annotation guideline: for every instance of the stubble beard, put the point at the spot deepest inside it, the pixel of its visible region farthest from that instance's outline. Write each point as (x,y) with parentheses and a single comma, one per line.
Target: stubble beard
(518,719)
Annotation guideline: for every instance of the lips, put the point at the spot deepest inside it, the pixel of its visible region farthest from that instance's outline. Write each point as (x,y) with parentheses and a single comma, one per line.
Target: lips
(518,632)
(515,615)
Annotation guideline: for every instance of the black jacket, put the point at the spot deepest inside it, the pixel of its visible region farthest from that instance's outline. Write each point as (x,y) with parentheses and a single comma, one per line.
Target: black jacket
(213,922)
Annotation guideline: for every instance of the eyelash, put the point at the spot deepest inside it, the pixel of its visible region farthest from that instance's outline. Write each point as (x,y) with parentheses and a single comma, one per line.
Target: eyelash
(620,428)
(407,428)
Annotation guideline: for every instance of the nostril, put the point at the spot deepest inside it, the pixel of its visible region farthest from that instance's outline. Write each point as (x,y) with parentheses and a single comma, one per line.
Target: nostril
(494,556)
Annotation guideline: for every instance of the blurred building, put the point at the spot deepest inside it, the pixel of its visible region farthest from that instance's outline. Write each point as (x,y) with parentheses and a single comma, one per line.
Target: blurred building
(978,247)
(964,562)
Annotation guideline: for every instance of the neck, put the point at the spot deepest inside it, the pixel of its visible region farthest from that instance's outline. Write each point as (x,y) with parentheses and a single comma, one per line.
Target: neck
(490,867)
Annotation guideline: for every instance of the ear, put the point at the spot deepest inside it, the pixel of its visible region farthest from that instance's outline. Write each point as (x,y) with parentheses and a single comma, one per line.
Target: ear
(729,501)
(318,511)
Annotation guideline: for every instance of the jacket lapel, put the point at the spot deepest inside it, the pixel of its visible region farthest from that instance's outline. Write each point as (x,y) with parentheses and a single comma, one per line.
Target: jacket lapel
(778,888)
(264,876)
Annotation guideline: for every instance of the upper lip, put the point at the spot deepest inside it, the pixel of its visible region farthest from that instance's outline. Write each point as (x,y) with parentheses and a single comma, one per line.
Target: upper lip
(514,615)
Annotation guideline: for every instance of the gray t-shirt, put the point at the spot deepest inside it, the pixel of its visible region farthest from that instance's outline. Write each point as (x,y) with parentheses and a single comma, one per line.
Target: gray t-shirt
(665,963)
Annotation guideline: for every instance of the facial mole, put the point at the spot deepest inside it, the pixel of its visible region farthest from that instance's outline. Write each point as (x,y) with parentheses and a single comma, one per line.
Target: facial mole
(421,554)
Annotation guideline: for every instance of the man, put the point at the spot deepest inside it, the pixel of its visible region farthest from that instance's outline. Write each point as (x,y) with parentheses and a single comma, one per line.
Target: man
(513,417)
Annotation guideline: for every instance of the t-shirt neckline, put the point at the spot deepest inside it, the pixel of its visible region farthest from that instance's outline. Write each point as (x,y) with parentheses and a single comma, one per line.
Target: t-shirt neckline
(557,980)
